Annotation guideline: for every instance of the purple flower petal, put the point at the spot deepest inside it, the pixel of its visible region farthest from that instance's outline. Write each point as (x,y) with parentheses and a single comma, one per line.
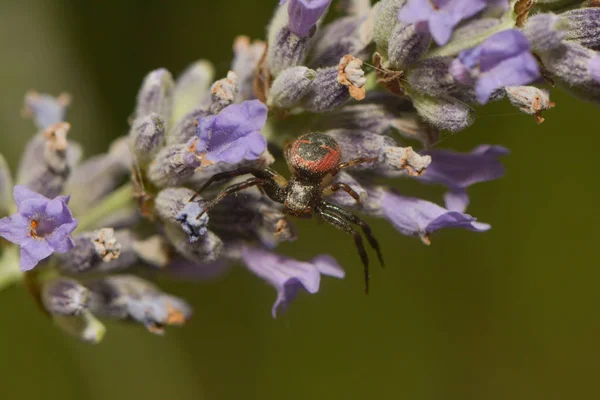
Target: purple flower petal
(439,17)
(456,200)
(304,14)
(46,109)
(40,227)
(234,134)
(504,59)
(416,217)
(287,275)
(594,67)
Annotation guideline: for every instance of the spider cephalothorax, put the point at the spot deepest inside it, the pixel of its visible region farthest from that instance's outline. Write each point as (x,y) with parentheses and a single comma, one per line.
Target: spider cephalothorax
(314,160)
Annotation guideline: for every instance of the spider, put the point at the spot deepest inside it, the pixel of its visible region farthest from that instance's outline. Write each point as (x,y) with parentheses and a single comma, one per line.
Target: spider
(313,159)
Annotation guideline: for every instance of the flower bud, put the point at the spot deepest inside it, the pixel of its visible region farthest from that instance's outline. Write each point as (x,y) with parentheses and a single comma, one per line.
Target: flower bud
(99,251)
(247,55)
(432,77)
(206,249)
(406,45)
(569,63)
(290,87)
(386,18)
(64,296)
(156,94)
(45,109)
(173,165)
(173,206)
(545,31)
(127,297)
(48,160)
(185,128)
(584,26)
(288,50)
(148,137)
(530,100)
(191,88)
(444,112)
(223,92)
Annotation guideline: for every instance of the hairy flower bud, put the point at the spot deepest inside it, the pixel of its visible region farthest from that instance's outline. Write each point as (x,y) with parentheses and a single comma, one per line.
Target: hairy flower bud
(223,93)
(245,62)
(288,50)
(173,165)
(406,45)
(191,88)
(386,18)
(127,297)
(444,112)
(530,100)
(545,31)
(584,26)
(99,251)
(569,63)
(48,160)
(185,128)
(173,205)
(64,296)
(290,87)
(148,137)
(156,94)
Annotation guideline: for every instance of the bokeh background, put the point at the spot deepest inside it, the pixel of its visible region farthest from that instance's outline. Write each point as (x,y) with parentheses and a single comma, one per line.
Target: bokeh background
(507,314)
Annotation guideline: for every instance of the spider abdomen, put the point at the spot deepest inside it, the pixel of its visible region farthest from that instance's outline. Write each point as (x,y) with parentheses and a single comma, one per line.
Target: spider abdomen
(314,154)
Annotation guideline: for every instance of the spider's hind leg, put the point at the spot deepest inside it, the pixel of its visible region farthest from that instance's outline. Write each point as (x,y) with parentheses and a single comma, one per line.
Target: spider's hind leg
(230,190)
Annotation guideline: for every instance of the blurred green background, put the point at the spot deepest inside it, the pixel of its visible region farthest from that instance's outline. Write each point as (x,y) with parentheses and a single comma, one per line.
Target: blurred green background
(507,314)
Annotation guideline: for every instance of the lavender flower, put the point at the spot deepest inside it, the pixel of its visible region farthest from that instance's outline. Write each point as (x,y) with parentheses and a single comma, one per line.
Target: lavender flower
(439,17)
(304,14)
(289,276)
(594,67)
(233,135)
(40,227)
(504,59)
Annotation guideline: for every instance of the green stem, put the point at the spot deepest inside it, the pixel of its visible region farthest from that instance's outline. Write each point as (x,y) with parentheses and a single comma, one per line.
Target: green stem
(9,267)
(508,21)
(119,199)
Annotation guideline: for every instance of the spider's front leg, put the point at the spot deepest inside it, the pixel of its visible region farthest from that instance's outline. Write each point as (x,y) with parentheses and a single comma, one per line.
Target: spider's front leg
(230,190)
(334,187)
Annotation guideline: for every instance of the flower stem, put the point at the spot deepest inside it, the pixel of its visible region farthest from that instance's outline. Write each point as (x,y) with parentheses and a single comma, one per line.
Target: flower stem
(9,267)
(119,199)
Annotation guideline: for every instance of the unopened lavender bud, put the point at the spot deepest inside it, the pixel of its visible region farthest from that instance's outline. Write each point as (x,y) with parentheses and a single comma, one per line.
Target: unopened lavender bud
(386,18)
(48,160)
(530,100)
(247,55)
(156,94)
(45,109)
(432,77)
(444,112)
(569,63)
(391,159)
(288,50)
(326,93)
(584,26)
(173,205)
(192,88)
(64,296)
(349,35)
(222,93)
(148,137)
(127,297)
(406,45)
(186,126)
(6,187)
(99,251)
(173,165)
(290,87)
(545,31)
(206,249)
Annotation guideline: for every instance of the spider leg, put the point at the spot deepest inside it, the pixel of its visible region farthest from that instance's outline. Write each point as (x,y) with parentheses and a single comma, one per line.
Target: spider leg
(339,222)
(229,190)
(266,174)
(334,187)
(354,219)
(351,163)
